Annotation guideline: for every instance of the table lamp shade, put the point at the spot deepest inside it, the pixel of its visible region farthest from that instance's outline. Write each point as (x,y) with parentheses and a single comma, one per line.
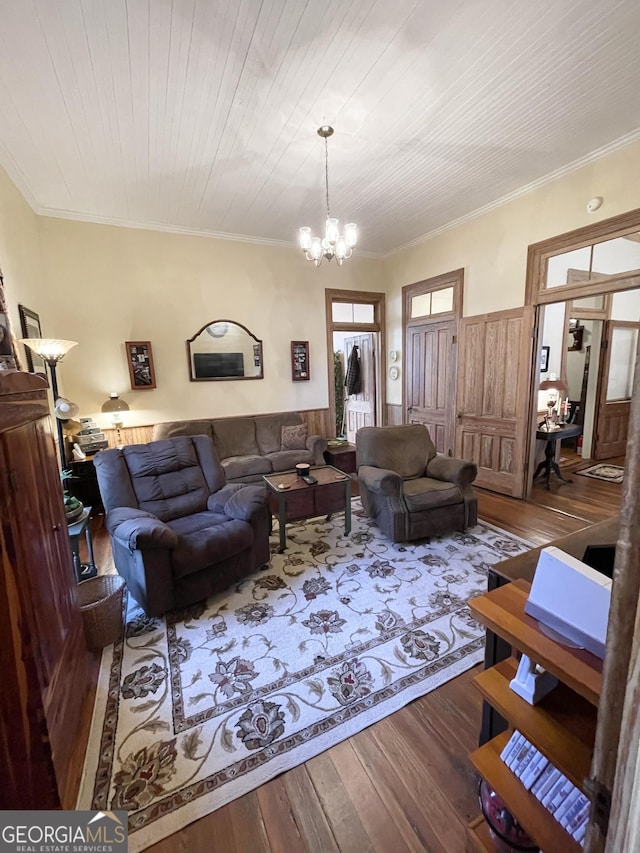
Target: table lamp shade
(114,404)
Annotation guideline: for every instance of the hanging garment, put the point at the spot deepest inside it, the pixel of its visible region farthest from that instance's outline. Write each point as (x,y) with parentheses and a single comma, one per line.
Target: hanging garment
(353,380)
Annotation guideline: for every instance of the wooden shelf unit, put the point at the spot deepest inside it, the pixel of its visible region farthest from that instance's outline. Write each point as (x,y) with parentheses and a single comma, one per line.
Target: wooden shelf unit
(562,725)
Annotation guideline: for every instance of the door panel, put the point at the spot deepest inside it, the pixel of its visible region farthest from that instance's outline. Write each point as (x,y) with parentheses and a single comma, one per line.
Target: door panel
(494,364)
(617,362)
(360,408)
(431,360)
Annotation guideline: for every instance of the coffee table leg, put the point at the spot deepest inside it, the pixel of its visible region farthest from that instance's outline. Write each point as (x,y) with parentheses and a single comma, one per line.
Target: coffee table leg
(281,522)
(347,508)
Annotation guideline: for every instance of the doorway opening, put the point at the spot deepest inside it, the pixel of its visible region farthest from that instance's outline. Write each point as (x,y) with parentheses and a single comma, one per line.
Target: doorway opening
(355,340)
(587,331)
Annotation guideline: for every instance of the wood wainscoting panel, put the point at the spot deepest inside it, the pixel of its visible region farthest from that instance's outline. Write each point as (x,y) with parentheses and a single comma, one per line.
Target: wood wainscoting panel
(318,422)
(393,414)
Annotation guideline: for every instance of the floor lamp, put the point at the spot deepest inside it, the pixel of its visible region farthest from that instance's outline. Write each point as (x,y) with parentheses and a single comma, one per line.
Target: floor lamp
(52,351)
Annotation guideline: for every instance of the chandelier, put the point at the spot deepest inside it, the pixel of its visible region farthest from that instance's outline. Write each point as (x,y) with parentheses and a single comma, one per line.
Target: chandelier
(334,244)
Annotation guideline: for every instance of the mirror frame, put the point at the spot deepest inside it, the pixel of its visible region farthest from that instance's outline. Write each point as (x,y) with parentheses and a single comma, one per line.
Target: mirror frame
(190,340)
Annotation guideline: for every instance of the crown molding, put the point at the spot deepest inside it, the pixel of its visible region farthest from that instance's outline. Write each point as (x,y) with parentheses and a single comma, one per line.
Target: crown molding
(58,213)
(598,154)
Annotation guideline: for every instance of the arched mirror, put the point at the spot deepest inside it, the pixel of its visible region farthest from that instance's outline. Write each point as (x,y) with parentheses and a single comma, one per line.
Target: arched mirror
(223,349)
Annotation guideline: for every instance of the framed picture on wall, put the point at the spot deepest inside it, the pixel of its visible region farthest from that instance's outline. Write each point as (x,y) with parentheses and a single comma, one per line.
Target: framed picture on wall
(140,361)
(30,327)
(299,360)
(544,360)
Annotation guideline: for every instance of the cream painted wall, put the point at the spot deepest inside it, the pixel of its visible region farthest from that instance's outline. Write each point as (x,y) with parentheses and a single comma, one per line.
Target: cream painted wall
(119,284)
(493,248)
(20,258)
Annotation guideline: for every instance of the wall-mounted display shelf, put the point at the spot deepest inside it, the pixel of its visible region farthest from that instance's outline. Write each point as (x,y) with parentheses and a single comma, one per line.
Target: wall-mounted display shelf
(299,360)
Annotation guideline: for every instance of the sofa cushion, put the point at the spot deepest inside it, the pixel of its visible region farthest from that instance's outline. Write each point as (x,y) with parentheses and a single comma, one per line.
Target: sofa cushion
(269,429)
(286,460)
(235,437)
(167,478)
(243,466)
(205,539)
(171,429)
(425,493)
(293,437)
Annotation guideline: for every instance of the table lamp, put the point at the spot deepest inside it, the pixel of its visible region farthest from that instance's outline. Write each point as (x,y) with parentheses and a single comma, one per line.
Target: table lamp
(553,386)
(115,407)
(52,351)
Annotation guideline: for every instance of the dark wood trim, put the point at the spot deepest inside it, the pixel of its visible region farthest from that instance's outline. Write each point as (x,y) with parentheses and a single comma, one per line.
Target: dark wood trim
(455,278)
(359,297)
(538,253)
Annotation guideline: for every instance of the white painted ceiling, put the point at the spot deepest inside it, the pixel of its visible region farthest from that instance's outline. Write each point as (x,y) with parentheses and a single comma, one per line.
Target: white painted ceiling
(202,114)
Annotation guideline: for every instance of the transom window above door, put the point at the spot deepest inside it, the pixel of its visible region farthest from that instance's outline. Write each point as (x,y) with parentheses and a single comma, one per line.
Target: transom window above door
(352,312)
(434,302)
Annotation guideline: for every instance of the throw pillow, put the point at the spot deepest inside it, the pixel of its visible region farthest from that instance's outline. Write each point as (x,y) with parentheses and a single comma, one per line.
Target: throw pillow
(293,437)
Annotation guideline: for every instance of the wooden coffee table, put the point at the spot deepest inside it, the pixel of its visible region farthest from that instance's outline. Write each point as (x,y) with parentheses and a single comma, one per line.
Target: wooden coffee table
(291,499)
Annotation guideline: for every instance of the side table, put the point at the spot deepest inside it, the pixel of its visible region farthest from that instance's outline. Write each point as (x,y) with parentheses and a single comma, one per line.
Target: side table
(84,483)
(549,463)
(342,457)
(76,529)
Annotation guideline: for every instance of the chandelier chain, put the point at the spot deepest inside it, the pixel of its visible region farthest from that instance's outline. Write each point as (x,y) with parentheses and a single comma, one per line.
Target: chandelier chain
(326,172)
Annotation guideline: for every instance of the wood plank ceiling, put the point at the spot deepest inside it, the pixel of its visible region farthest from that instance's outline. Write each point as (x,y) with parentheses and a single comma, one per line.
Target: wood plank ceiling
(202,114)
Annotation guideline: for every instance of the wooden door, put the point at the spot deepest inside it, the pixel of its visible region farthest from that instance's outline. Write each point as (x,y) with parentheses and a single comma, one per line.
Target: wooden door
(615,383)
(494,375)
(360,409)
(430,380)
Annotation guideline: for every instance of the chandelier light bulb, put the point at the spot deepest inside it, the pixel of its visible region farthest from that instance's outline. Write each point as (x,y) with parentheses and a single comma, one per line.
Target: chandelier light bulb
(333,244)
(305,238)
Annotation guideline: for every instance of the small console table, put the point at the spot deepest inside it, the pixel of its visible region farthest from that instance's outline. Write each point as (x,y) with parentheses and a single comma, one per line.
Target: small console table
(551,436)
(81,525)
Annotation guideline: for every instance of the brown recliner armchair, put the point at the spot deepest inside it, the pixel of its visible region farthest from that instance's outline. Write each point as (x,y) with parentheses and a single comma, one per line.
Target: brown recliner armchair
(410,491)
(179,532)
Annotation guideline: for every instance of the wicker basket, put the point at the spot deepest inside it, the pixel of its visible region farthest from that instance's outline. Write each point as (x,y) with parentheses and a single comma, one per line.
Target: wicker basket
(100,600)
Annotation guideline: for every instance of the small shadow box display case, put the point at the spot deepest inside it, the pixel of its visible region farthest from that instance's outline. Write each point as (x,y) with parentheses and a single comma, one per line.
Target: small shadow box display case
(299,360)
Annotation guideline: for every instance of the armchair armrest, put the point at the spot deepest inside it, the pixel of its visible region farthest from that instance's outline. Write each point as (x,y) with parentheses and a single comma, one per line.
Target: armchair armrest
(381,480)
(317,444)
(238,500)
(457,471)
(137,529)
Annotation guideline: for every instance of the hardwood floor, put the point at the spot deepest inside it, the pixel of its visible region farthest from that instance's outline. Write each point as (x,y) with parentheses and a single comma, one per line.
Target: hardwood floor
(403,784)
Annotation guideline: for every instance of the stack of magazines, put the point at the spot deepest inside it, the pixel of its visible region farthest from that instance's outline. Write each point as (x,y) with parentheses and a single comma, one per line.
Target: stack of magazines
(568,805)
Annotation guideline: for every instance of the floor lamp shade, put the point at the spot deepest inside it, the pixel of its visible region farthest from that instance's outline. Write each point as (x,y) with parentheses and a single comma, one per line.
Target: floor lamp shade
(52,351)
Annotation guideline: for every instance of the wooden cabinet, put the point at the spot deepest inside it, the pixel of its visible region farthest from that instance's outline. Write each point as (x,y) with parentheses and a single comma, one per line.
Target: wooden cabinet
(43,656)
(562,726)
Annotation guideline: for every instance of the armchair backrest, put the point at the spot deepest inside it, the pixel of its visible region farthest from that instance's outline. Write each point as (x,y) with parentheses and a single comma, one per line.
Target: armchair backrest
(169,478)
(404,449)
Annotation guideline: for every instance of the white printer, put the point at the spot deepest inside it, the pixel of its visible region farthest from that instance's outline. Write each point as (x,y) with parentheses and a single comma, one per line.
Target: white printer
(571,598)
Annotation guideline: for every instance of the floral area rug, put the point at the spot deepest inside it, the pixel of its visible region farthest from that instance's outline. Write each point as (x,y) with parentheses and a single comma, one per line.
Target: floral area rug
(194,710)
(610,473)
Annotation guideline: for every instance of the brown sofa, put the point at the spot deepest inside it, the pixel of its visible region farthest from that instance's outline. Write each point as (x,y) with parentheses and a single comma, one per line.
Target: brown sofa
(249,447)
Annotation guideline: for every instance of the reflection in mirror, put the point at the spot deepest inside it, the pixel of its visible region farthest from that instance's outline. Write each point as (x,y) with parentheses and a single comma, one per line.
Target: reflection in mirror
(223,349)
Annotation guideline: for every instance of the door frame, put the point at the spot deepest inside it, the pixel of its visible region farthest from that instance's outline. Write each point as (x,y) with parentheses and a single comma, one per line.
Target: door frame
(455,279)
(537,295)
(357,297)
